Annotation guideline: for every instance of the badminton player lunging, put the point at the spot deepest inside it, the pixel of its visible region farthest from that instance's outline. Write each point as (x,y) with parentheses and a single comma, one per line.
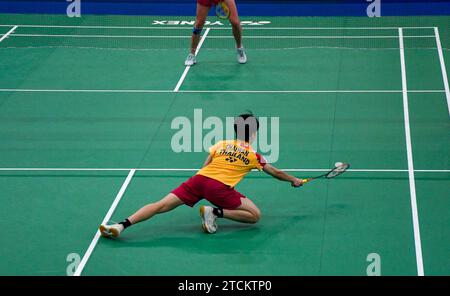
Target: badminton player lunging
(227,163)
(203,7)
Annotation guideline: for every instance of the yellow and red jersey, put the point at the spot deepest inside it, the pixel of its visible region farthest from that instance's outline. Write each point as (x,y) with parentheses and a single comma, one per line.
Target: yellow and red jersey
(231,161)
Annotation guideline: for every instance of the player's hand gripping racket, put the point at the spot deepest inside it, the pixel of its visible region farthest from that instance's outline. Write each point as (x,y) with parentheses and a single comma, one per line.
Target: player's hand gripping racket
(339,168)
(222,10)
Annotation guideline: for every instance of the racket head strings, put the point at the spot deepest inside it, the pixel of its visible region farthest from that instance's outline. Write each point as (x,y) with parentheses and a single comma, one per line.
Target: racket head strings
(338,170)
(222,10)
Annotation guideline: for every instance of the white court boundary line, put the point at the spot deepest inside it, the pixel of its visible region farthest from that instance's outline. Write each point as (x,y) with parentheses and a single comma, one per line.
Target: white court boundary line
(443,69)
(8,33)
(215,28)
(212,91)
(105,220)
(412,184)
(196,169)
(186,70)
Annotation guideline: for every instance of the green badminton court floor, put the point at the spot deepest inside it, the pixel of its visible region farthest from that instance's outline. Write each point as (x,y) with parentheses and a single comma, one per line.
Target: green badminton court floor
(85,135)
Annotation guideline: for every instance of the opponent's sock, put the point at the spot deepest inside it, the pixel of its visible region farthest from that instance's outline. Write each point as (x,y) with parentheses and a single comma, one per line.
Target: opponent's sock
(125,223)
(218,212)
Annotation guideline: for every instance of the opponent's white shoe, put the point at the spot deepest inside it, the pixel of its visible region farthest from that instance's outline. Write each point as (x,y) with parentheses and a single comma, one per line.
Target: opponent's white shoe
(241,56)
(208,219)
(190,60)
(112,230)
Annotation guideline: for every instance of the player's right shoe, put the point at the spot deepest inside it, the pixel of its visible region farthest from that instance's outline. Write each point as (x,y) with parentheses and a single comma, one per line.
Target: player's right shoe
(241,56)
(111,231)
(191,60)
(208,219)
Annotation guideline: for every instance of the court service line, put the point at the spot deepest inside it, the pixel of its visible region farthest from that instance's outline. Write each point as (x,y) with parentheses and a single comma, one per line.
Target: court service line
(212,91)
(8,33)
(105,220)
(443,69)
(196,169)
(412,185)
(186,70)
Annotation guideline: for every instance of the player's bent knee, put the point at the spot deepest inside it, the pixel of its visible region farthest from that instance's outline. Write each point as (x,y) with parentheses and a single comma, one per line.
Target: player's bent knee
(256,216)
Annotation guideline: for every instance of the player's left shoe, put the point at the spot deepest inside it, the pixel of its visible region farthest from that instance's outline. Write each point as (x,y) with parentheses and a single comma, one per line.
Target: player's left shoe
(241,56)
(111,231)
(191,60)
(208,219)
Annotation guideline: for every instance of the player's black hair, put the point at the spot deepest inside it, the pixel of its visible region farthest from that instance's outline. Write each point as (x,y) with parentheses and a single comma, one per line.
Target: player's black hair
(245,125)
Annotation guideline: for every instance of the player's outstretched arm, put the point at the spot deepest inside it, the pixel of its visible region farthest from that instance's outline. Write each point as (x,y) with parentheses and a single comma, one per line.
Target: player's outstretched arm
(282,176)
